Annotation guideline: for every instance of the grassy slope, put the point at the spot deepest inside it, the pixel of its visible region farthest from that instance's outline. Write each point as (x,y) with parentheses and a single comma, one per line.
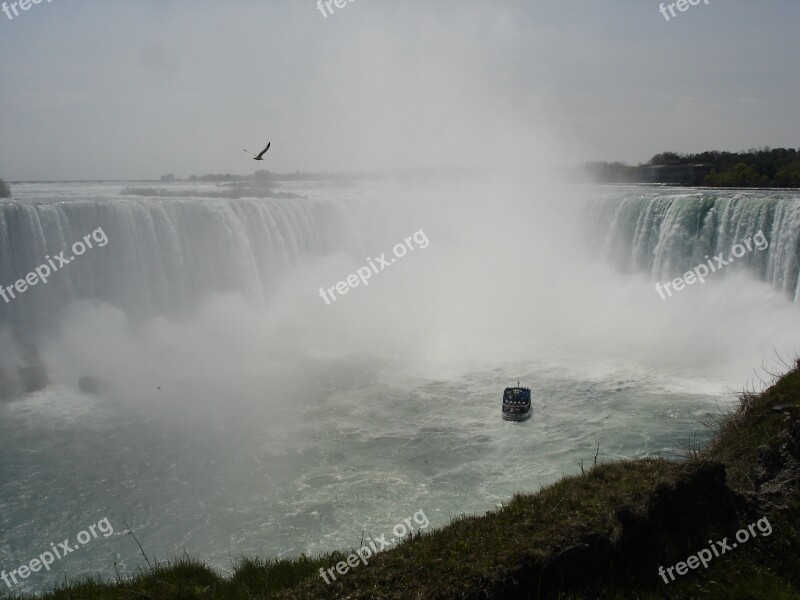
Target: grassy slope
(602,534)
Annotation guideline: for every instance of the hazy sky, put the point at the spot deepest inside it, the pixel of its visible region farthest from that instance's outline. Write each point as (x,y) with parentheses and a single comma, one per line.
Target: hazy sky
(110,89)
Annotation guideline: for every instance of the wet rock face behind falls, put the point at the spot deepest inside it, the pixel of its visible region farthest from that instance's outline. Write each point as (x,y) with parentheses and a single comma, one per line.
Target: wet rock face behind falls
(24,375)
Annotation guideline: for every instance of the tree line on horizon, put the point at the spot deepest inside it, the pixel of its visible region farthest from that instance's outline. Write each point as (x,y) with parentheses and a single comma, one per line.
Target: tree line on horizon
(758,167)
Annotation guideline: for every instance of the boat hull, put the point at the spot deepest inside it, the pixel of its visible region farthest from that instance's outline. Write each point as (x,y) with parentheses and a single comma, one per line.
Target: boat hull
(518,416)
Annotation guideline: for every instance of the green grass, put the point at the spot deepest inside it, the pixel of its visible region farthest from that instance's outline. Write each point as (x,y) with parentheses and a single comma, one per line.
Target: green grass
(598,535)
(188,579)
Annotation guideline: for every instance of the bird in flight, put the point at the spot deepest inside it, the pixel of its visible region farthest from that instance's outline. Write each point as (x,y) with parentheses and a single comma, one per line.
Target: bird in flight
(260,154)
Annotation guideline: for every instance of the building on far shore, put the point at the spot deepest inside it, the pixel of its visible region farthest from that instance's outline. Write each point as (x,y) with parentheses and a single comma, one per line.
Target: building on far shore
(167,178)
(675,174)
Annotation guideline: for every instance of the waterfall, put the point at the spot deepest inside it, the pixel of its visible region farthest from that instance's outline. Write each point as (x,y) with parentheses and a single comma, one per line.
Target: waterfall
(666,233)
(162,254)
(165,254)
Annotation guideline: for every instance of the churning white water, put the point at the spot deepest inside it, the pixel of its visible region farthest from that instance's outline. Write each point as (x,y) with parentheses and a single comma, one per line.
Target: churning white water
(244,415)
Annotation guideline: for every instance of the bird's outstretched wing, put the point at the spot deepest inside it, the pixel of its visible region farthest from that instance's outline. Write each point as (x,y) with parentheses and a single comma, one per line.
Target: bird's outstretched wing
(264,151)
(248,151)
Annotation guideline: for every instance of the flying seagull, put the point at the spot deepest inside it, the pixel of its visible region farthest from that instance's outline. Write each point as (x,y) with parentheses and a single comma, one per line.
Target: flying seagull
(260,155)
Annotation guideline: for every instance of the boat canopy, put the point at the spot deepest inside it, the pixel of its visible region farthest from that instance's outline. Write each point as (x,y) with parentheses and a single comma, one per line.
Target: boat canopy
(517,394)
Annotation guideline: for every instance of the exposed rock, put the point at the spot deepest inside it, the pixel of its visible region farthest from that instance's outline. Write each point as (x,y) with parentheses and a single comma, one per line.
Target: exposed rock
(33,378)
(777,470)
(6,385)
(23,374)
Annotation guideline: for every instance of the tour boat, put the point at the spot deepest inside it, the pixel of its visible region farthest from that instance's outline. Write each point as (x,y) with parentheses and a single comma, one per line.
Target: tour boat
(517,403)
